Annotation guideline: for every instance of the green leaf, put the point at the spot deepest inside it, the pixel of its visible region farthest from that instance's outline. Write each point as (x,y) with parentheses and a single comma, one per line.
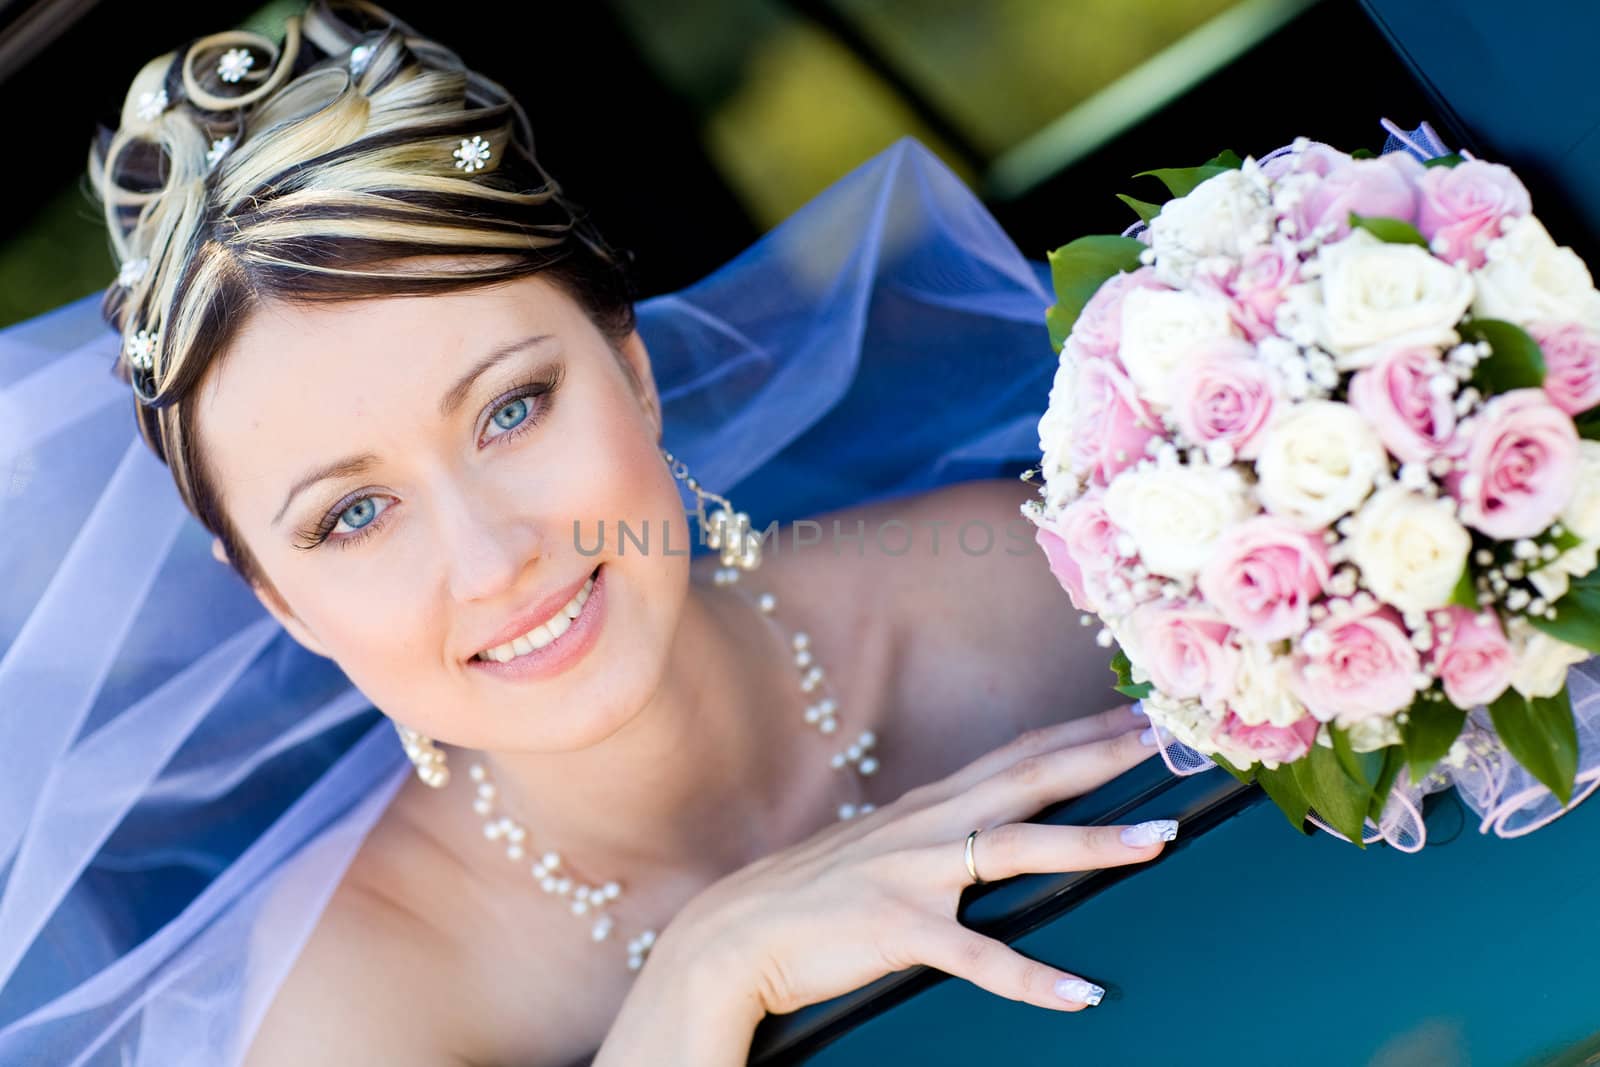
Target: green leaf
(1080,268)
(1465,593)
(1181,181)
(1541,735)
(1244,776)
(1451,160)
(1349,759)
(1589,424)
(1394,758)
(1390,231)
(1059,325)
(1280,785)
(1430,729)
(1514,363)
(1577,620)
(1336,799)
(1563,541)
(1122,667)
(1143,208)
(1363,153)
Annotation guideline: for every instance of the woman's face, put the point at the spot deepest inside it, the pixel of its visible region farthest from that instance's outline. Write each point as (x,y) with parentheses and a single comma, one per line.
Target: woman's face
(461,530)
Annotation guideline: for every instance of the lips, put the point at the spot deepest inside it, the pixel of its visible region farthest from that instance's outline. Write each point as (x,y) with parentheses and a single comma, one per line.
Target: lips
(563,653)
(528,619)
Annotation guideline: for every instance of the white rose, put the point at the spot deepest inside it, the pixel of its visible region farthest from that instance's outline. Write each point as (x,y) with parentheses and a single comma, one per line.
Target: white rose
(1175,514)
(1186,720)
(1159,328)
(1261,688)
(1226,215)
(1582,514)
(1539,661)
(1055,436)
(1528,278)
(1374,295)
(1581,517)
(1373,733)
(1411,550)
(1319,459)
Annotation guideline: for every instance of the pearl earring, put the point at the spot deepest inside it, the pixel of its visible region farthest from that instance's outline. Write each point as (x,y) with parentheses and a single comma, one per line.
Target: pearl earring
(425,756)
(724,529)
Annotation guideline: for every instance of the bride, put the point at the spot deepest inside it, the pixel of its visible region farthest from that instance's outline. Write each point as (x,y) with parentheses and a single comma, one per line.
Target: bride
(640,798)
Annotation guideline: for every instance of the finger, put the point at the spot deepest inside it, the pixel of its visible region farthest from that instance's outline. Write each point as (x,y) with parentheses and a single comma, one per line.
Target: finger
(1017,848)
(1110,723)
(996,967)
(1021,790)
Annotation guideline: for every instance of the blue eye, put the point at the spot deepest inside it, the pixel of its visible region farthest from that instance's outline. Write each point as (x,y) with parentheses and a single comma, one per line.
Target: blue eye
(359,519)
(358,515)
(511,415)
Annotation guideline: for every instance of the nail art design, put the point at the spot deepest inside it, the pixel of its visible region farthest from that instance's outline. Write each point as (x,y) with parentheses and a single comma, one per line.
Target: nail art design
(1148,833)
(1077,989)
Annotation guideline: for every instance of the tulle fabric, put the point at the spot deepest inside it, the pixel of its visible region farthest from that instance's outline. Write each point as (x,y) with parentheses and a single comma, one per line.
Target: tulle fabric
(185,785)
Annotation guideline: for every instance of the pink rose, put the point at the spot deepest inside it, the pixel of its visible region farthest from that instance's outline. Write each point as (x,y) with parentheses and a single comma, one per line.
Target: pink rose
(1223,393)
(1353,667)
(1185,651)
(1317,158)
(1111,425)
(1263,575)
(1098,330)
(1393,396)
(1462,206)
(1521,466)
(1256,286)
(1472,657)
(1081,547)
(1571,364)
(1379,187)
(1268,743)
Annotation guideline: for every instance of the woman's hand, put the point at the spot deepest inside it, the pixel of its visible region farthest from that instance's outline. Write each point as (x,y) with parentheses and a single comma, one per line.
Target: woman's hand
(878,894)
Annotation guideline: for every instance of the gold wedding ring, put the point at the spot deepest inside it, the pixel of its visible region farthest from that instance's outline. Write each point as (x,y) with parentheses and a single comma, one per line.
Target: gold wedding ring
(972,868)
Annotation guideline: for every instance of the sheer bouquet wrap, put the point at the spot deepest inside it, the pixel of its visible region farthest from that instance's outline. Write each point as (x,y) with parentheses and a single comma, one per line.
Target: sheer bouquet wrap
(1322,454)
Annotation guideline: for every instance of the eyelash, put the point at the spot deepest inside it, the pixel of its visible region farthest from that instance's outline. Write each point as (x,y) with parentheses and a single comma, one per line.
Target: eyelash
(544,386)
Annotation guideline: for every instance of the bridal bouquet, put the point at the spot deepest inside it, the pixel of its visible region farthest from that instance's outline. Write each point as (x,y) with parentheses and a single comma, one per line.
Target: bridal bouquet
(1322,455)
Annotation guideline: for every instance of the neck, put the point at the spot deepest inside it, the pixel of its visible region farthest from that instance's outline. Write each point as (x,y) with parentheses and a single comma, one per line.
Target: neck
(696,783)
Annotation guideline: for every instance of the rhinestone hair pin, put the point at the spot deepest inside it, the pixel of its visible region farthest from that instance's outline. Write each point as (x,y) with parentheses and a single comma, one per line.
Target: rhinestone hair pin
(151,105)
(219,148)
(235,64)
(473,154)
(132,272)
(141,349)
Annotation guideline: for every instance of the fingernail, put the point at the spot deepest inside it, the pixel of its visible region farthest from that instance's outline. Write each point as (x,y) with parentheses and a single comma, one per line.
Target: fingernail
(1150,737)
(1076,989)
(1148,833)
(1137,707)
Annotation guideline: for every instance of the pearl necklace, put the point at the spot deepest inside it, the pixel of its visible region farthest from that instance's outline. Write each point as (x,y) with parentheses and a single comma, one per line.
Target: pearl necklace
(592,900)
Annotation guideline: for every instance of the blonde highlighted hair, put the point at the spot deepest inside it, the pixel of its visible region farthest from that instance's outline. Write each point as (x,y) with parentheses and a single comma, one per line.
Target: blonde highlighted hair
(246,171)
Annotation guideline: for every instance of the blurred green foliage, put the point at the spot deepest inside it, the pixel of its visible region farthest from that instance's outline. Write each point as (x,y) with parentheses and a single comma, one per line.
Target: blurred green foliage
(787,109)
(60,255)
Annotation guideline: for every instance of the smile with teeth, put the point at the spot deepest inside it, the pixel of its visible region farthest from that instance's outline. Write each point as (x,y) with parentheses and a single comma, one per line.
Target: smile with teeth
(544,633)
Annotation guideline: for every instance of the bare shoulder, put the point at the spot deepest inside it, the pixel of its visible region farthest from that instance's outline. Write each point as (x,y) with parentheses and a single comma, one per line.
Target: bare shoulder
(957,571)
(360,991)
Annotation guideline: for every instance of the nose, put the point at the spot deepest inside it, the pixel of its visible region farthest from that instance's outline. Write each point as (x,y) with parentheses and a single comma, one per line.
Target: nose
(488,541)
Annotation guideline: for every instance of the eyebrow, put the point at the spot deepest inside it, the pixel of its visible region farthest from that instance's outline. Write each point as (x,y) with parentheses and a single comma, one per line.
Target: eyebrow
(452,400)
